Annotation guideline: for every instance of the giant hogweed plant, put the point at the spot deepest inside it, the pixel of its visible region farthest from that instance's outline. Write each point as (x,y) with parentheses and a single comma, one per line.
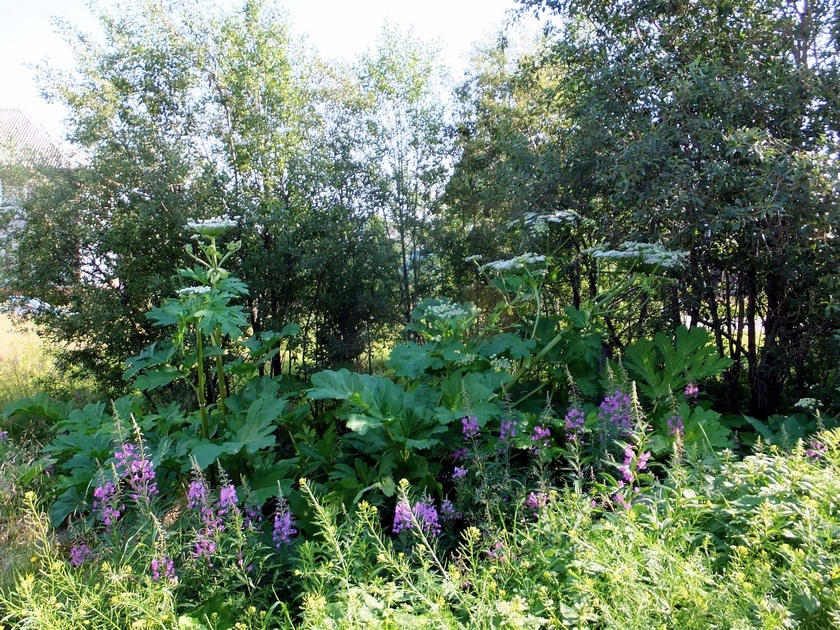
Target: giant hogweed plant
(236,408)
(506,372)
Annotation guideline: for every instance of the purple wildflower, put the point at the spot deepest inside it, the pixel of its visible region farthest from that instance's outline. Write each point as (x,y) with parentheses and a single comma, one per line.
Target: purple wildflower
(402,517)
(4,435)
(284,524)
(197,494)
(618,499)
(447,510)
(459,473)
(541,437)
(691,392)
(507,431)
(79,554)
(496,552)
(137,470)
(461,453)
(423,512)
(106,503)
(816,449)
(574,422)
(163,568)
(615,415)
(469,427)
(628,470)
(253,515)
(204,547)
(536,501)
(675,425)
(427,516)
(227,498)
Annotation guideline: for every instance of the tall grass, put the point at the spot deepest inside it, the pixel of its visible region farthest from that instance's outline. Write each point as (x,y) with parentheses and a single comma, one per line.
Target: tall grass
(23,361)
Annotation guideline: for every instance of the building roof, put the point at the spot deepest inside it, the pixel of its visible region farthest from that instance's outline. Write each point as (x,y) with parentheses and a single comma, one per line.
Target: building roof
(23,142)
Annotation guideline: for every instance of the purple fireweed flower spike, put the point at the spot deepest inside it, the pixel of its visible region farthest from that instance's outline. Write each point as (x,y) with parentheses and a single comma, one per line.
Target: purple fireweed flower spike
(427,516)
(284,524)
(675,425)
(615,415)
(163,568)
(79,554)
(691,392)
(816,449)
(461,453)
(507,431)
(402,517)
(541,437)
(574,422)
(447,510)
(536,501)
(469,427)
(227,498)
(106,504)
(197,494)
(137,471)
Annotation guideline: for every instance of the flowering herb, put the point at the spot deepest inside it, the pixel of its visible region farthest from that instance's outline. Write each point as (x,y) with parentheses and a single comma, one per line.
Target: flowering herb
(469,427)
(106,504)
(402,517)
(284,524)
(507,431)
(79,554)
(536,501)
(816,449)
(447,510)
(227,498)
(163,569)
(675,425)
(541,437)
(461,453)
(459,473)
(615,416)
(423,512)
(691,392)
(574,421)
(138,472)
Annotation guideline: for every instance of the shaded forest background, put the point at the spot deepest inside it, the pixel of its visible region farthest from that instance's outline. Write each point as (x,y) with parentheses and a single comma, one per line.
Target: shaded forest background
(705,128)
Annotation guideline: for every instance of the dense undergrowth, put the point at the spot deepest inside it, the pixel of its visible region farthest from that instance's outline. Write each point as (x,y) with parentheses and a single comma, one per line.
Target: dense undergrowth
(503,473)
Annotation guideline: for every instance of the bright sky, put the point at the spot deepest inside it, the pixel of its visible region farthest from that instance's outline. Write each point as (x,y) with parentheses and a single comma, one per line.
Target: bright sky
(337,28)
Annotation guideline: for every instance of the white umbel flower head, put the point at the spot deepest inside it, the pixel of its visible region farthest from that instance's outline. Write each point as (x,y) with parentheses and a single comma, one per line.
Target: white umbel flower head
(194,290)
(211,227)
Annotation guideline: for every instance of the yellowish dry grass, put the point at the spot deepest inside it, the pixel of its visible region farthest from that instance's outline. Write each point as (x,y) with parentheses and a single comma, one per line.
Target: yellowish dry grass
(23,359)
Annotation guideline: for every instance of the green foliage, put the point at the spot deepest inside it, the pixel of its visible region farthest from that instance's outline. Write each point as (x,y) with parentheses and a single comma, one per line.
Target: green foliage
(663,366)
